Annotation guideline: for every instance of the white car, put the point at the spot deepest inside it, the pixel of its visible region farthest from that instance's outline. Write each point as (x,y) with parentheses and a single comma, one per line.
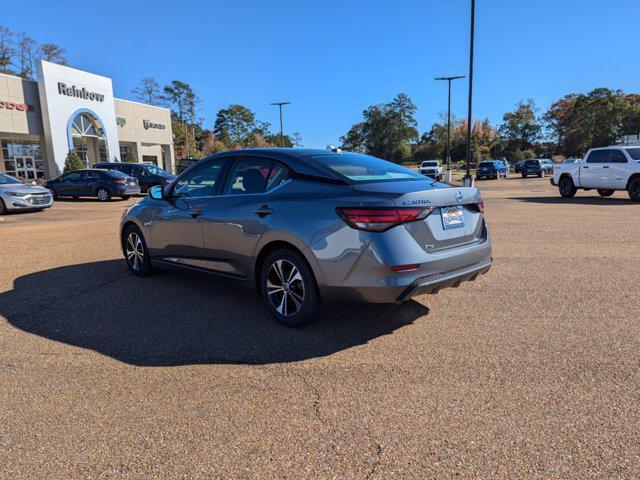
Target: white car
(605,169)
(15,195)
(431,168)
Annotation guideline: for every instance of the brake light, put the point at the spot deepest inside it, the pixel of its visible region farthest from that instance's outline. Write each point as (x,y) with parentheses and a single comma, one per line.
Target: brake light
(405,268)
(481,206)
(119,180)
(380,219)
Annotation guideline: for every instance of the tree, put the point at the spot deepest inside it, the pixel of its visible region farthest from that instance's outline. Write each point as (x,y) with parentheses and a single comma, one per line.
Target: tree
(296,139)
(51,52)
(235,123)
(129,157)
(385,128)
(149,92)
(184,105)
(73,162)
(521,128)
(7,49)
(27,53)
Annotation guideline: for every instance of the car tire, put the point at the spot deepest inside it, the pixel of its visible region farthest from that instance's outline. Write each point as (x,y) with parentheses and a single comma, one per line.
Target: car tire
(541,174)
(287,285)
(634,189)
(567,188)
(3,207)
(524,176)
(54,195)
(605,192)
(135,252)
(103,194)
(125,197)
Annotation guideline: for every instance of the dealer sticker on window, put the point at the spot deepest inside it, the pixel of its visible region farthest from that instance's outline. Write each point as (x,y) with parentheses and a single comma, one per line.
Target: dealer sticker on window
(452,217)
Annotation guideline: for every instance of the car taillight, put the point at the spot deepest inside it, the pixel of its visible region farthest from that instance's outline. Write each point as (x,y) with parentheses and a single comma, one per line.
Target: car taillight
(481,206)
(379,219)
(120,180)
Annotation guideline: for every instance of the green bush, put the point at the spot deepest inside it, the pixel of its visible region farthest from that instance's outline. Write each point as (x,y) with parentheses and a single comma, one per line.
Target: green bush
(73,162)
(129,158)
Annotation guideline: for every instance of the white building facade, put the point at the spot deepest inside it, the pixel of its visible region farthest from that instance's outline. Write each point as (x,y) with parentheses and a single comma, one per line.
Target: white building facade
(69,109)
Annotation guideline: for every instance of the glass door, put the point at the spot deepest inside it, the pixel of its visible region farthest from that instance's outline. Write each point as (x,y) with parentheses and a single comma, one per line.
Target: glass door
(26,168)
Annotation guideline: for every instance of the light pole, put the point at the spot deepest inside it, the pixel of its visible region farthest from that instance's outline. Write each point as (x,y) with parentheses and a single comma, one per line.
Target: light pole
(448,79)
(280,104)
(468,180)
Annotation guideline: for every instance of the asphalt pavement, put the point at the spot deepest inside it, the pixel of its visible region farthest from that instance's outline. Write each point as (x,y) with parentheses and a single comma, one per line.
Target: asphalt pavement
(532,371)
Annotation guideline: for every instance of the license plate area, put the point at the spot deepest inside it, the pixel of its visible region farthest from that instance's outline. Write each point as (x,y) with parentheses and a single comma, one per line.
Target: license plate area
(452,217)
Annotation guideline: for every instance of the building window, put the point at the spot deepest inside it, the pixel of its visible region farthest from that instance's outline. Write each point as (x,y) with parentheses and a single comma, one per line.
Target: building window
(23,159)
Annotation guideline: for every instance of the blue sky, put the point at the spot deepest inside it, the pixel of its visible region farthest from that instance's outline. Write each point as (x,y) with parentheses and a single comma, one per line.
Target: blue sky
(334,58)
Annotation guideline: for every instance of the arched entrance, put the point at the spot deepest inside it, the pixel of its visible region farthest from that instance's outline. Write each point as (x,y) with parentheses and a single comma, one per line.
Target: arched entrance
(87,137)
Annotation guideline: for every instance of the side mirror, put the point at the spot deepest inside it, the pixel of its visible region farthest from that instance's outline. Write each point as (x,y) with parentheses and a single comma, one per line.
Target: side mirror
(156,192)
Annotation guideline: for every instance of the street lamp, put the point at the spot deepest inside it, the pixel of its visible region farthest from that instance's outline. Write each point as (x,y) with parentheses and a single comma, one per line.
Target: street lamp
(280,104)
(448,79)
(468,180)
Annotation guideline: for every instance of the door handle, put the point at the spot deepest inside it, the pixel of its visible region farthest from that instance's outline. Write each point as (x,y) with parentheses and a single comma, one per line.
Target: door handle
(606,166)
(585,167)
(263,211)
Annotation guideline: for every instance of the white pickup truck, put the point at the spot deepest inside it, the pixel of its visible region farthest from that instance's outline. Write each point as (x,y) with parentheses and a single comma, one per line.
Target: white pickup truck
(605,169)
(431,168)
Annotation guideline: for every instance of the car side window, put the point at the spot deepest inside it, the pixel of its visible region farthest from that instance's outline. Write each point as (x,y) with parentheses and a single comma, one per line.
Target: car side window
(201,181)
(71,176)
(598,156)
(277,176)
(91,175)
(616,156)
(248,176)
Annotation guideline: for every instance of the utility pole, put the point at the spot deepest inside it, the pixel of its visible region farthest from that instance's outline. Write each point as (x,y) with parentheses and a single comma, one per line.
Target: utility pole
(449,79)
(468,180)
(280,104)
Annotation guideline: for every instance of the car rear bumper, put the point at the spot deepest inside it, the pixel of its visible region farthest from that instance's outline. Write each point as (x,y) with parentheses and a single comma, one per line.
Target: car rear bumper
(127,190)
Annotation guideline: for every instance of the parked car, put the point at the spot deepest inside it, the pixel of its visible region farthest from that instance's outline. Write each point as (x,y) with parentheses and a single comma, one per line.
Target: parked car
(431,168)
(307,226)
(606,169)
(518,166)
(15,195)
(102,184)
(539,167)
(148,175)
(492,169)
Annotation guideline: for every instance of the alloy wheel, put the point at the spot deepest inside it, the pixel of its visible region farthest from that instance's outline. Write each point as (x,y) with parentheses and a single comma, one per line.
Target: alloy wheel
(103,195)
(135,251)
(285,288)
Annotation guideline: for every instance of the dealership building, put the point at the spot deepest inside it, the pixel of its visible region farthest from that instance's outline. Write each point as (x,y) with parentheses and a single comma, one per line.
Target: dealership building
(65,109)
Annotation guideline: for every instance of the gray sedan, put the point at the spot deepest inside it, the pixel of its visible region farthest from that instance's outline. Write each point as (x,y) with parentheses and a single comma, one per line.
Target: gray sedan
(304,226)
(15,195)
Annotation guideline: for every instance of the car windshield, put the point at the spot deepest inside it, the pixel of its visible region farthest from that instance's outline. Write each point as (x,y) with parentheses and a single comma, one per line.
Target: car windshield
(634,152)
(115,174)
(153,170)
(7,180)
(363,168)
(429,164)
(531,163)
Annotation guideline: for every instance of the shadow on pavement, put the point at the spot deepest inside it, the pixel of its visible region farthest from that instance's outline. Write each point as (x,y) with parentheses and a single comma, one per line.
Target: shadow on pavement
(576,200)
(176,319)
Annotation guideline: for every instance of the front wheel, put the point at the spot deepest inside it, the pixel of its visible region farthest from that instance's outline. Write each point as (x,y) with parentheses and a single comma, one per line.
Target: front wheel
(125,197)
(289,288)
(605,193)
(3,208)
(566,187)
(634,189)
(135,252)
(103,194)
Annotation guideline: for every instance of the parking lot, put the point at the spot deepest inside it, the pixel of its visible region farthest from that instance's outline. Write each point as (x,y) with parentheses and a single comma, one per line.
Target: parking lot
(532,371)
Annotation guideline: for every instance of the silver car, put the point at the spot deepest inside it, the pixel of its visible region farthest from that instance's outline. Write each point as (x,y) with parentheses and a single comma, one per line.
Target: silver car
(305,226)
(15,195)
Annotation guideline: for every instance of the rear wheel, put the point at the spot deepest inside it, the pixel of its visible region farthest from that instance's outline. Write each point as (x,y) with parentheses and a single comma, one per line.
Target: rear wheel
(135,252)
(289,288)
(605,193)
(125,197)
(524,176)
(634,189)
(103,194)
(541,174)
(566,187)
(3,207)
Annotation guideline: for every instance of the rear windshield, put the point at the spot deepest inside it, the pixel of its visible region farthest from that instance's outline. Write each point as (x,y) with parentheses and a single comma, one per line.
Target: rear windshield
(634,153)
(531,163)
(486,164)
(363,168)
(115,174)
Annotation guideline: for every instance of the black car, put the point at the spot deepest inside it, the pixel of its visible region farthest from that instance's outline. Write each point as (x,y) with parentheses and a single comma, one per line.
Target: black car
(518,166)
(147,175)
(99,183)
